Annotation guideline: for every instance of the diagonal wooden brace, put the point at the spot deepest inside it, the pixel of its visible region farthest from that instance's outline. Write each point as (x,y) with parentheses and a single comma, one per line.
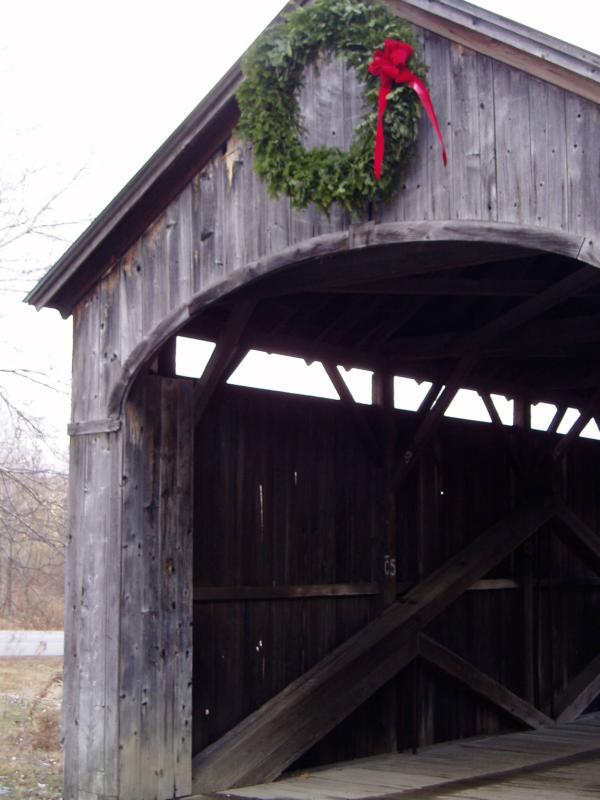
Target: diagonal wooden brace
(225,356)
(482,684)
(263,745)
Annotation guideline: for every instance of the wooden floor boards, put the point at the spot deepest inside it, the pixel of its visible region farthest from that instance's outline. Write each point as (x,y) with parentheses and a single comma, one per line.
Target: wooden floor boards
(558,763)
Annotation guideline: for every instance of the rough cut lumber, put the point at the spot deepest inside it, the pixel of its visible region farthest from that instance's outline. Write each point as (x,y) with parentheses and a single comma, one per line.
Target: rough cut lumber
(452,287)
(212,594)
(273,737)
(223,356)
(580,693)
(479,682)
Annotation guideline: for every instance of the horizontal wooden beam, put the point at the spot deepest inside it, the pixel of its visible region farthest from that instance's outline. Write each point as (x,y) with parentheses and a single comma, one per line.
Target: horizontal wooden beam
(224,594)
(580,693)
(94,426)
(541,338)
(453,287)
(273,737)
(482,684)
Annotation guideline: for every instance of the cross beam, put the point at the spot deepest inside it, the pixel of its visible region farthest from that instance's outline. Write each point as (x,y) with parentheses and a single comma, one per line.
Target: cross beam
(484,685)
(224,357)
(471,347)
(277,734)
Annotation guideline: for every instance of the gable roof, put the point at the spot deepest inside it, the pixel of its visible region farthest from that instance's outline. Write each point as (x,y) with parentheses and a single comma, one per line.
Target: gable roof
(194,142)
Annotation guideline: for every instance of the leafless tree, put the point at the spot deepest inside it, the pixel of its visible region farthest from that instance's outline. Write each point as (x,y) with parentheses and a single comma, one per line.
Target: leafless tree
(32,473)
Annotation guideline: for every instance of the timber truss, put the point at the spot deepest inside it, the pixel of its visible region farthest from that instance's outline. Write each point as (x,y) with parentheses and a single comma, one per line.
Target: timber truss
(272,738)
(268,741)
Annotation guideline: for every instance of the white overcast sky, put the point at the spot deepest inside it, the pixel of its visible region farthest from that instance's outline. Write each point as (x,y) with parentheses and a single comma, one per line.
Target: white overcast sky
(97,87)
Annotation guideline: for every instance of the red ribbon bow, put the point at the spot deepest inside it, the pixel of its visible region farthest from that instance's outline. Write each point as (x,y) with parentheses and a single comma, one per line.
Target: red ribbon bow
(389,65)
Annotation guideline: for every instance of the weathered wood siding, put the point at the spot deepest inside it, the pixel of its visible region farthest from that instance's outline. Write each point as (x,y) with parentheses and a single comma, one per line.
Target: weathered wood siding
(520,152)
(155,671)
(300,503)
(91,705)
(308,511)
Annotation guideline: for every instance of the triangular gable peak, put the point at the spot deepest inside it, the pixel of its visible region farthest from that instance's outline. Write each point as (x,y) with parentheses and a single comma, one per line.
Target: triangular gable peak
(474,33)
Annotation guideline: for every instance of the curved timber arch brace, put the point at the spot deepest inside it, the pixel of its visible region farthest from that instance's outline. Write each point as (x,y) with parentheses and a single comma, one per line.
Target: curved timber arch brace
(366,253)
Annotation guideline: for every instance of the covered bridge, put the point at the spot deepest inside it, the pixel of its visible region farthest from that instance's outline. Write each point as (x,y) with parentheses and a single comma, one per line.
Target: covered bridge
(260,582)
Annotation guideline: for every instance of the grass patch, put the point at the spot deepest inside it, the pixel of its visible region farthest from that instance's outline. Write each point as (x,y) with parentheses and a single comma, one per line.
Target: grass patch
(30,755)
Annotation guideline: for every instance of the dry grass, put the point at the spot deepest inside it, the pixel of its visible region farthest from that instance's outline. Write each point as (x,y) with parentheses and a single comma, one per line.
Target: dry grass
(30,757)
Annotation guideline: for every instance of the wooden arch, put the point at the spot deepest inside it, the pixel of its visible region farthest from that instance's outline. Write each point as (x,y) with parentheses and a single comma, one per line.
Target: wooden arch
(367,257)
(333,259)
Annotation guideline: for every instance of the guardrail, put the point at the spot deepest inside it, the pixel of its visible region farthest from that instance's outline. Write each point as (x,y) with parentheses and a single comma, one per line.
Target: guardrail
(31,643)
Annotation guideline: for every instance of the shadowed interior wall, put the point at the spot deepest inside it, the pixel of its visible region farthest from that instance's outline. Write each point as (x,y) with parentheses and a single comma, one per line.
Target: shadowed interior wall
(286,495)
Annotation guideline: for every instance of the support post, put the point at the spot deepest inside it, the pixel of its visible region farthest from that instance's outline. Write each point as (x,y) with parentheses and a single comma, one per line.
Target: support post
(383,398)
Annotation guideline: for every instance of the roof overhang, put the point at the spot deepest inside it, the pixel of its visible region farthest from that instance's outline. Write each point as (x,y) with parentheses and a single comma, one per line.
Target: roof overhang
(200,135)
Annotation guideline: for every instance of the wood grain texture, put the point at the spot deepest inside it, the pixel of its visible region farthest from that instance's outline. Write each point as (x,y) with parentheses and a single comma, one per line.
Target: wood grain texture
(156,599)
(522,153)
(91,652)
(522,178)
(312,705)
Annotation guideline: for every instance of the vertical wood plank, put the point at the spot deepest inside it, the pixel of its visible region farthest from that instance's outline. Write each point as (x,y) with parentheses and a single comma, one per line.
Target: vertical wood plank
(156,675)
(130,300)
(71,685)
(466,157)
(92,640)
(487,138)
(548,155)
(511,97)
(583,164)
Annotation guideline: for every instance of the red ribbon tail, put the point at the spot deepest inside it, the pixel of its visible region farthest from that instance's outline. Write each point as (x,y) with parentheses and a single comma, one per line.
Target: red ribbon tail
(421,90)
(380,139)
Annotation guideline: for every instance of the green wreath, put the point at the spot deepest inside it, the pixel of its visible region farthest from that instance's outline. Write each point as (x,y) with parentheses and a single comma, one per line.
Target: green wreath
(270,115)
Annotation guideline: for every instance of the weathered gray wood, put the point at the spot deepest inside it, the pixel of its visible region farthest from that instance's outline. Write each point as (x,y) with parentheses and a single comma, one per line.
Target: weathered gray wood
(94,426)
(548,154)
(206,235)
(479,682)
(513,144)
(583,151)
(92,584)
(507,41)
(156,601)
(466,156)
(177,264)
(71,684)
(311,706)
(130,301)
(222,357)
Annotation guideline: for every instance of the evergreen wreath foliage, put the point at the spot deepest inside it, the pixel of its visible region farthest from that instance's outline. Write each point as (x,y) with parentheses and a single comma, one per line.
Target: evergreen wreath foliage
(270,114)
